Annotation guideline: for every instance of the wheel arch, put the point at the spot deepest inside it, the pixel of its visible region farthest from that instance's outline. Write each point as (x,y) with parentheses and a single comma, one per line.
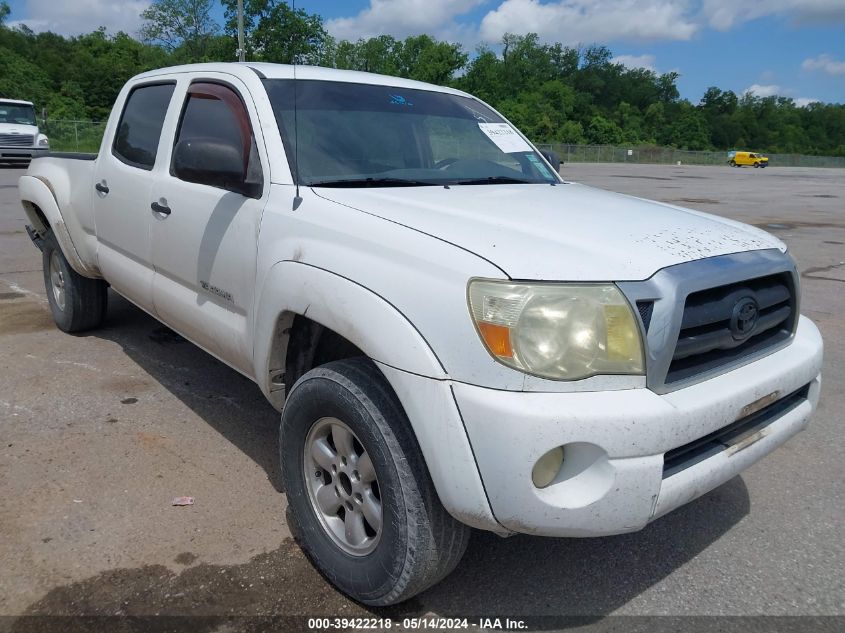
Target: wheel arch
(300,303)
(42,210)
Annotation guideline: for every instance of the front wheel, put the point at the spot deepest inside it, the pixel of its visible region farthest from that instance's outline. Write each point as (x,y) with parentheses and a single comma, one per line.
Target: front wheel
(756,165)
(363,505)
(77,303)
(733,163)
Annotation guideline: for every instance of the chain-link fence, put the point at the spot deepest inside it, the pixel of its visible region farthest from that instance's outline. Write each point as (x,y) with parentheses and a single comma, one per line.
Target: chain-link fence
(669,156)
(74,136)
(85,136)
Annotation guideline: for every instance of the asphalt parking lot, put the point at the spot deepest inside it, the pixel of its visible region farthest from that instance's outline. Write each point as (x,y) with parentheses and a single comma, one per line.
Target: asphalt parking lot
(100,431)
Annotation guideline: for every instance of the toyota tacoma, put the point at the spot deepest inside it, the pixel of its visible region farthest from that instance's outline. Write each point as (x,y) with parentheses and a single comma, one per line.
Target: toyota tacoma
(454,335)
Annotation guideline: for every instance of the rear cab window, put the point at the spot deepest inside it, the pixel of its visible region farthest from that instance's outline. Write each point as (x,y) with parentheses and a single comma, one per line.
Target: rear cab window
(139,130)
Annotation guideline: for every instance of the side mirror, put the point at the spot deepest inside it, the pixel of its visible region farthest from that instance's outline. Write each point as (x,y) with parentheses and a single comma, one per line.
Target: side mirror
(214,163)
(552,157)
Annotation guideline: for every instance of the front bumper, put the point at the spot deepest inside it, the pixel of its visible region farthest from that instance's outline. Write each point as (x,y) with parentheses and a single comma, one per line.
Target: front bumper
(613,478)
(14,154)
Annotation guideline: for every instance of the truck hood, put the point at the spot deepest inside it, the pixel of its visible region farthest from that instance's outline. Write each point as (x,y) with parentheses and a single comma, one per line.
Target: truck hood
(17,128)
(568,232)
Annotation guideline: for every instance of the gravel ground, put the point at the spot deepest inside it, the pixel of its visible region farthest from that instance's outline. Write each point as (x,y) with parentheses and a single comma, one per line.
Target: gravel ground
(100,431)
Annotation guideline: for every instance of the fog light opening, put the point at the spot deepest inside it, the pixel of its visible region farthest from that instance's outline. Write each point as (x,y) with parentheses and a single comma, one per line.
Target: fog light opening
(546,469)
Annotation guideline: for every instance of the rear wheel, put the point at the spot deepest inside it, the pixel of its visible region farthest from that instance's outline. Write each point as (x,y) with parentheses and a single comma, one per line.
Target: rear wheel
(363,505)
(77,303)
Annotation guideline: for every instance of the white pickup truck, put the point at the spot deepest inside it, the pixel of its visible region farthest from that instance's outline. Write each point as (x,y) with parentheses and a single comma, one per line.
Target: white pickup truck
(20,139)
(455,336)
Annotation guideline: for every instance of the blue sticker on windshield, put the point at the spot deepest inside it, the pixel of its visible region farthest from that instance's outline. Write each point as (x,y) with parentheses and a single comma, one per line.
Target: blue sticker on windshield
(399,100)
(539,166)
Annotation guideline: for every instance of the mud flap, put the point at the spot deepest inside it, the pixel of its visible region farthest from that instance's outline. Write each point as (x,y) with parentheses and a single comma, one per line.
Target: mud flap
(35,237)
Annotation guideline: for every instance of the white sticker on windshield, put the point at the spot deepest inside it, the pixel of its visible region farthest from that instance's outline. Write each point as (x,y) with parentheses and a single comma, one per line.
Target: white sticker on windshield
(505,137)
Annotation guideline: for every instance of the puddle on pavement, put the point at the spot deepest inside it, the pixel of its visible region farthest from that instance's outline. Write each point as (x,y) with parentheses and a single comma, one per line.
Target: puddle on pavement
(788,226)
(834,272)
(699,200)
(22,317)
(639,177)
(281,582)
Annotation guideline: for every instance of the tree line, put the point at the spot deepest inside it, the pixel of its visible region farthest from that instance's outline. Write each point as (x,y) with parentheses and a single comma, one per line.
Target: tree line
(554,93)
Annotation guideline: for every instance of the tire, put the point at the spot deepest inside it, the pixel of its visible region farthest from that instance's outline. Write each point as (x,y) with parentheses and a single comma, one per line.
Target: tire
(756,165)
(77,303)
(418,542)
(732,163)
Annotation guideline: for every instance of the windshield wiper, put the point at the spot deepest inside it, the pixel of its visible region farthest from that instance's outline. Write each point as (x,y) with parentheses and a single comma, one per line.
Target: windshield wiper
(372,182)
(494,180)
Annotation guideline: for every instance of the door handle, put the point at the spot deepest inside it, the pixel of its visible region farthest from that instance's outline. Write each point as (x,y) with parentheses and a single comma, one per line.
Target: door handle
(101,188)
(160,208)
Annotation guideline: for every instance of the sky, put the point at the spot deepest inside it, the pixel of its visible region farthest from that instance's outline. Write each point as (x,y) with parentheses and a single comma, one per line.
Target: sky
(793,48)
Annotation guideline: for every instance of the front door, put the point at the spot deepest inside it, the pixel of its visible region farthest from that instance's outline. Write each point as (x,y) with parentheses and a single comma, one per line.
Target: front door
(205,239)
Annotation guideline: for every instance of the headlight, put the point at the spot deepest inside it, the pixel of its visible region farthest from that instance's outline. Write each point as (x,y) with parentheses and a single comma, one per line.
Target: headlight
(44,142)
(558,331)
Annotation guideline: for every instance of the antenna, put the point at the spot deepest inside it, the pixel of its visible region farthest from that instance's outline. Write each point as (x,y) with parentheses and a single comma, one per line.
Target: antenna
(297,200)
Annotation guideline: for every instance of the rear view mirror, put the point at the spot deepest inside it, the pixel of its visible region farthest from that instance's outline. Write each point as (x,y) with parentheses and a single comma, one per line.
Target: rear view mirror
(552,157)
(214,163)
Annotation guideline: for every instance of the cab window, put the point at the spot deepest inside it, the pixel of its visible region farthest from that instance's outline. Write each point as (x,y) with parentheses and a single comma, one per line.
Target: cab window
(139,130)
(215,124)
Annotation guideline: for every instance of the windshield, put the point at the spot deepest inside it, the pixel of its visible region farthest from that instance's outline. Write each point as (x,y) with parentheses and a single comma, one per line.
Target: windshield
(359,135)
(23,114)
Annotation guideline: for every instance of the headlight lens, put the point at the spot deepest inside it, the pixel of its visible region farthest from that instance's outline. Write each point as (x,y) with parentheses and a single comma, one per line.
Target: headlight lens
(558,331)
(44,142)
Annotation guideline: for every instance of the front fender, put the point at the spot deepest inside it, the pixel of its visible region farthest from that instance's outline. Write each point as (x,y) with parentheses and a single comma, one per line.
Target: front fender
(404,357)
(367,320)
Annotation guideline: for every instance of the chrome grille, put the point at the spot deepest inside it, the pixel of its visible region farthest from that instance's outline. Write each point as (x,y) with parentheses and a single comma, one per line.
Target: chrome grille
(16,140)
(710,336)
(685,314)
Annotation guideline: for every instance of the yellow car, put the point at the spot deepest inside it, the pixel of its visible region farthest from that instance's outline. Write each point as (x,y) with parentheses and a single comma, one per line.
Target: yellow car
(738,159)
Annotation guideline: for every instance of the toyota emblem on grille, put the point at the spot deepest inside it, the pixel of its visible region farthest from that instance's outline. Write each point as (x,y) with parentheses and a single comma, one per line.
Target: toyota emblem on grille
(744,318)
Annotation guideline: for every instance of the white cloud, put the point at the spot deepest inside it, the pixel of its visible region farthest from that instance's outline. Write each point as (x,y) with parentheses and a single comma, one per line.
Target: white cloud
(571,21)
(72,17)
(585,21)
(725,14)
(826,64)
(773,90)
(636,61)
(401,18)
(763,91)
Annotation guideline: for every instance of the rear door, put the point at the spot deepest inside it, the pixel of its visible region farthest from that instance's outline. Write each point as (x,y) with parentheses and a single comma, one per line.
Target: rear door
(205,244)
(123,178)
